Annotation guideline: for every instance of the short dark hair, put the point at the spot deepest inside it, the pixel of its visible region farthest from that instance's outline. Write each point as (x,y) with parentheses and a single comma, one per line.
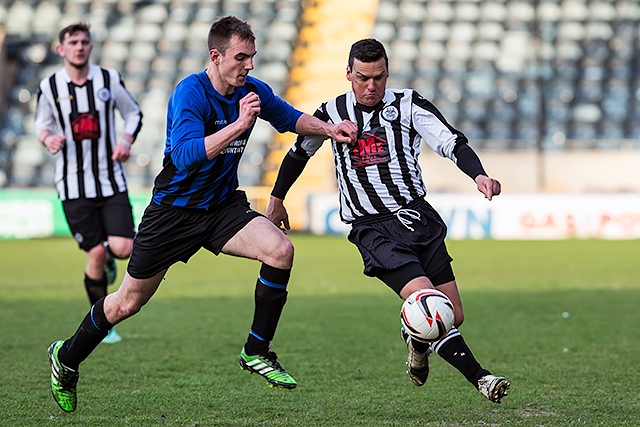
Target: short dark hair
(223,29)
(72,29)
(368,50)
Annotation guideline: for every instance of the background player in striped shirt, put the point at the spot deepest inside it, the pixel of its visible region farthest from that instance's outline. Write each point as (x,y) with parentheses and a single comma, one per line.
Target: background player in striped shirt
(196,204)
(75,121)
(399,235)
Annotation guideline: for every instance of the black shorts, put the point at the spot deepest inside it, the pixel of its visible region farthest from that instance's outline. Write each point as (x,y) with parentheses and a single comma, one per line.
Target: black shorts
(93,220)
(167,235)
(389,242)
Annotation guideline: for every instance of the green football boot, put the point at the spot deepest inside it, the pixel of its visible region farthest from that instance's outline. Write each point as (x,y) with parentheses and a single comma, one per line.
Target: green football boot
(267,366)
(111,270)
(63,380)
(112,337)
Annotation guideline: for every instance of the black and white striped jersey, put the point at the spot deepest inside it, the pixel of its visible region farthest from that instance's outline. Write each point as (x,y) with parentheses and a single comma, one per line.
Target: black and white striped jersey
(380,173)
(86,115)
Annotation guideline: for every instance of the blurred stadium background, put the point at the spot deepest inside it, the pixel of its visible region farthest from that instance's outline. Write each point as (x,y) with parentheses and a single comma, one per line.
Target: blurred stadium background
(548,92)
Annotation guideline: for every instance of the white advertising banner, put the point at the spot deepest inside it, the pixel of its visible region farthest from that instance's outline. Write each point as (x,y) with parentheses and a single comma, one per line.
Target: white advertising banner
(515,216)
(21,219)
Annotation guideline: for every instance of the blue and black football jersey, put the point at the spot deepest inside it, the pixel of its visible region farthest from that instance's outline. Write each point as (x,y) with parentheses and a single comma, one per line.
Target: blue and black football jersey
(188,179)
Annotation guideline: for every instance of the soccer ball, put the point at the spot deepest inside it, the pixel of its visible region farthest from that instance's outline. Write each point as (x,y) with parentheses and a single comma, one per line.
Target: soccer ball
(427,315)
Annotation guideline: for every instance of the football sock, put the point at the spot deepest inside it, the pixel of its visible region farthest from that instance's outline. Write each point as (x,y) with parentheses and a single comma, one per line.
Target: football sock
(90,333)
(419,346)
(96,289)
(270,297)
(454,350)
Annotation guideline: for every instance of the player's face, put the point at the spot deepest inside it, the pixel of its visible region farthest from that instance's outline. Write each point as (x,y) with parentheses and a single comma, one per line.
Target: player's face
(76,49)
(237,61)
(368,81)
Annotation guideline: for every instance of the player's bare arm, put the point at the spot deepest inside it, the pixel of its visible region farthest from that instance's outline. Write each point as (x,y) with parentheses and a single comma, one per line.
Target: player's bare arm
(344,131)
(488,186)
(218,141)
(122,150)
(53,143)
(277,213)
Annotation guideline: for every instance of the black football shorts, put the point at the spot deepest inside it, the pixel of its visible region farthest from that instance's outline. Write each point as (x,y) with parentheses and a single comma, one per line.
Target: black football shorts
(167,235)
(92,220)
(407,243)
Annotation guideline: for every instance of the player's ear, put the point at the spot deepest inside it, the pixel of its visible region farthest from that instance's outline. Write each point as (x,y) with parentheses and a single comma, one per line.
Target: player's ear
(214,55)
(349,73)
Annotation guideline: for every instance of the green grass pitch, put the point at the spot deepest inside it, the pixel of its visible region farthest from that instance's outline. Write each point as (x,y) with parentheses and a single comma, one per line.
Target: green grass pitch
(338,336)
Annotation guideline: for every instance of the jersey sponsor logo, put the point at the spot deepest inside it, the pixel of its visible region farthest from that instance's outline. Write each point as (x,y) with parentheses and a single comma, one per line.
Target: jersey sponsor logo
(390,113)
(236,147)
(104,94)
(371,149)
(85,126)
(233,150)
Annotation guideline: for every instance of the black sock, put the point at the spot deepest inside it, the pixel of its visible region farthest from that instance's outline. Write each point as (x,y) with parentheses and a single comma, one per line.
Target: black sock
(90,333)
(453,349)
(96,289)
(420,347)
(270,297)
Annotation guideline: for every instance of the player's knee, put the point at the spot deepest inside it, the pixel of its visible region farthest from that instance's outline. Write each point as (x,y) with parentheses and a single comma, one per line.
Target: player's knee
(282,255)
(123,305)
(123,253)
(121,248)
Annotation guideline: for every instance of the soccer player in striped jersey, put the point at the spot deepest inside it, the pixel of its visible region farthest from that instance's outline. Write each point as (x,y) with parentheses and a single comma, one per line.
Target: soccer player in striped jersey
(382,196)
(196,204)
(75,121)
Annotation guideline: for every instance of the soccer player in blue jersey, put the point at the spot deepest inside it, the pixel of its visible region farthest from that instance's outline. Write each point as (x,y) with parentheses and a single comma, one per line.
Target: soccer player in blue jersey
(196,204)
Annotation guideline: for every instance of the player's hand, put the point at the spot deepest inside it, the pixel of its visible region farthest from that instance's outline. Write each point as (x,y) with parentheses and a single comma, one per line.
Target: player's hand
(54,142)
(277,214)
(346,132)
(121,152)
(488,186)
(249,110)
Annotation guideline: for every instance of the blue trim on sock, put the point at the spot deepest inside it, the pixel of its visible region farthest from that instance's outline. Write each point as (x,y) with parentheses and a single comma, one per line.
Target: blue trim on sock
(257,336)
(94,322)
(271,284)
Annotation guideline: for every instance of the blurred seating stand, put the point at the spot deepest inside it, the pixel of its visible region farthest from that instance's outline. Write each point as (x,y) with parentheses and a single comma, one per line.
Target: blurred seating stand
(154,44)
(488,65)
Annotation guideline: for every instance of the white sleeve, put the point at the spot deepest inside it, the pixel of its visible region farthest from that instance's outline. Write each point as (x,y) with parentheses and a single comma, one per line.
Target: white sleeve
(310,145)
(431,125)
(44,116)
(128,107)
(307,146)
(435,133)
